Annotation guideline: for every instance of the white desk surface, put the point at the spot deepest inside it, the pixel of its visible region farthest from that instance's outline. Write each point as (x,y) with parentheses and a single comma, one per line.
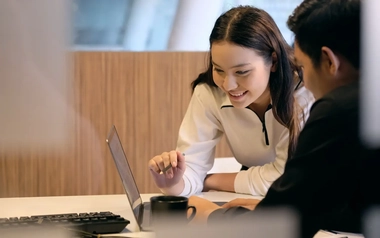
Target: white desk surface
(118,204)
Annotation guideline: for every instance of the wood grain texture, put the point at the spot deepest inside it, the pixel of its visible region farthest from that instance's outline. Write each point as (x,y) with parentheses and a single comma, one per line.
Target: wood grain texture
(145,94)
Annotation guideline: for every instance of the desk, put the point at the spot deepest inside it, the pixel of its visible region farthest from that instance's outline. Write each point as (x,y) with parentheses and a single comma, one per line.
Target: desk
(118,204)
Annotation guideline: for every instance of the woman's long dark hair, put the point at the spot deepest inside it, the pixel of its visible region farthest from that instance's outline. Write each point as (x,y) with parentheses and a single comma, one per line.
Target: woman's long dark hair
(254,28)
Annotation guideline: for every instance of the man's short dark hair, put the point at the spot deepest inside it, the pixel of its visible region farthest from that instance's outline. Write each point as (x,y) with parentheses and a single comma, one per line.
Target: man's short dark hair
(331,23)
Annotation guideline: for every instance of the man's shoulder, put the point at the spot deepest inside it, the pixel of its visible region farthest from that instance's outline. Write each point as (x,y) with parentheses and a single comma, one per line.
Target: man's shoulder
(342,100)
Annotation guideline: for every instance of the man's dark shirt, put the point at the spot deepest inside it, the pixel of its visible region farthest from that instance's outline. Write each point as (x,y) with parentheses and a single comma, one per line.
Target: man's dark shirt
(332,177)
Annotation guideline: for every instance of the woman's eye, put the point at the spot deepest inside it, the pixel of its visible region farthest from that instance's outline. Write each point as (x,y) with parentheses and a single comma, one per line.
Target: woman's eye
(218,70)
(242,72)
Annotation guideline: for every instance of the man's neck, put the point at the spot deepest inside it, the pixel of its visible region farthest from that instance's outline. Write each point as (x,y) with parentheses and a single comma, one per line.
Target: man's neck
(346,79)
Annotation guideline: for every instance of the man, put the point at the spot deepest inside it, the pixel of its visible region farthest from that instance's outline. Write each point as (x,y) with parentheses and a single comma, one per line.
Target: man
(331,179)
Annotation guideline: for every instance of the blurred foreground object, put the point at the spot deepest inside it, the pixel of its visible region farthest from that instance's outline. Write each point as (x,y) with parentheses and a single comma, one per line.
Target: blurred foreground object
(270,223)
(34,73)
(36,232)
(370,79)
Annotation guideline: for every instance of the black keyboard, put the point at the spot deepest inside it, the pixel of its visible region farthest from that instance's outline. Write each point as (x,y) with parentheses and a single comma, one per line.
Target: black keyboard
(93,222)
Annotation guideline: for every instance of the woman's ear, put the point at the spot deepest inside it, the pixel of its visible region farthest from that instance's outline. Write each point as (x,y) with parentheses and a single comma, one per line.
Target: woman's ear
(274,62)
(329,61)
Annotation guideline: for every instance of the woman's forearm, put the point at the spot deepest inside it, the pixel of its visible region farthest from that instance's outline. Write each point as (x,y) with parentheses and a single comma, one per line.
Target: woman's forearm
(175,189)
(220,182)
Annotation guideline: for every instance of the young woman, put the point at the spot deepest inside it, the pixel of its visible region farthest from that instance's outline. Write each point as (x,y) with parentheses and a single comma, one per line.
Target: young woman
(252,93)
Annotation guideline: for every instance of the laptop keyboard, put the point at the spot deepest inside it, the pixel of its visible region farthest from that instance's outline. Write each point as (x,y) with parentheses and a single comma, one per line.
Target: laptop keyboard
(93,222)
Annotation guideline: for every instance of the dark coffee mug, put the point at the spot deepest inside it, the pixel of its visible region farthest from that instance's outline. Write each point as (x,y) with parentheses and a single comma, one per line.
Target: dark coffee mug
(171,209)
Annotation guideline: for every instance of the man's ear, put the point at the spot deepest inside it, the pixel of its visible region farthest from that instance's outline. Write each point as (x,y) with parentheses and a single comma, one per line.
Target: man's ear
(274,62)
(329,61)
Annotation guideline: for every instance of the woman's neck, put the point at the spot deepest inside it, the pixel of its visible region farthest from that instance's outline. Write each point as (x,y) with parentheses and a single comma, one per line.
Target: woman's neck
(260,106)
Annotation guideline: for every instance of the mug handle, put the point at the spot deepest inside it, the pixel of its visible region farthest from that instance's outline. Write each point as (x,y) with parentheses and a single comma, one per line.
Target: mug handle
(192,213)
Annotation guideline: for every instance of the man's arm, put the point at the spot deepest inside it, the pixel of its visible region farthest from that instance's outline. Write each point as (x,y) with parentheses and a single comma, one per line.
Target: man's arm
(320,174)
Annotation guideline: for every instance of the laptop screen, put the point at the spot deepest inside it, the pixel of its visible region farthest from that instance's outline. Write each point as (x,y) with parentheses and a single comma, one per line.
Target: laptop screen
(124,170)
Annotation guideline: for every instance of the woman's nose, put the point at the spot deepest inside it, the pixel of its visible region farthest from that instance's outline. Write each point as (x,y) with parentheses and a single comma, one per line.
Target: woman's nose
(229,83)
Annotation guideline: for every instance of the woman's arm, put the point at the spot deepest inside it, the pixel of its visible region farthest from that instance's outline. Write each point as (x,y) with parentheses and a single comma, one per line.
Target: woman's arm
(220,182)
(174,190)
(199,133)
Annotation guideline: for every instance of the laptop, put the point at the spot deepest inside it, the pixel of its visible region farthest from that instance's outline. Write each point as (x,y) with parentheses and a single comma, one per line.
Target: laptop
(141,210)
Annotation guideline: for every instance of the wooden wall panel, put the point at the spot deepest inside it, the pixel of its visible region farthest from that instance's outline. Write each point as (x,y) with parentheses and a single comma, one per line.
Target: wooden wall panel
(145,94)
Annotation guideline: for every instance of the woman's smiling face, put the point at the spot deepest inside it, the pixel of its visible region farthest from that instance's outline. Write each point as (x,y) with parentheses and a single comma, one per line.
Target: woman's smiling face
(240,72)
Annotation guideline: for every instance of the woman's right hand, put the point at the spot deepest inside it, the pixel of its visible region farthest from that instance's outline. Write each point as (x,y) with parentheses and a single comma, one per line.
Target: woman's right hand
(172,176)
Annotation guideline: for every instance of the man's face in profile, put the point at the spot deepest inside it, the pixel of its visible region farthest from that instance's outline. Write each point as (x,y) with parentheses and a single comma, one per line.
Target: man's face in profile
(312,76)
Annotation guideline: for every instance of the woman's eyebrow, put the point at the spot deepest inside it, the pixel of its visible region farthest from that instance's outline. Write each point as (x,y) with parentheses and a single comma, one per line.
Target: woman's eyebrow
(238,65)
